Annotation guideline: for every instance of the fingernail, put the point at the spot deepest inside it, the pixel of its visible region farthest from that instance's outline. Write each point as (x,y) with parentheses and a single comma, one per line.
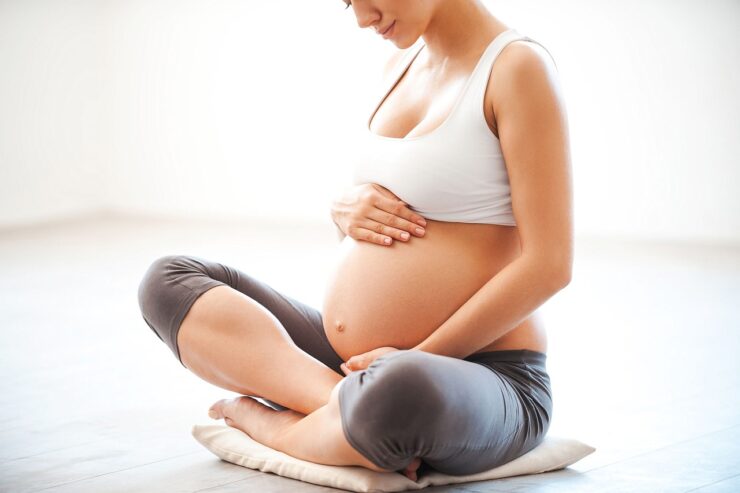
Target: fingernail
(422,222)
(212,414)
(419,231)
(405,235)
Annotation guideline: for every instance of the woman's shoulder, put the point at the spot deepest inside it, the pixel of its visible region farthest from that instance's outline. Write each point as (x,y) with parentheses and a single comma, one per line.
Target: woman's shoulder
(526,52)
(522,64)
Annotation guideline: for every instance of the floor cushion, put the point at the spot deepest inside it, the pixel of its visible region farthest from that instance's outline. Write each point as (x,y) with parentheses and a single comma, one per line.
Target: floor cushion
(237,447)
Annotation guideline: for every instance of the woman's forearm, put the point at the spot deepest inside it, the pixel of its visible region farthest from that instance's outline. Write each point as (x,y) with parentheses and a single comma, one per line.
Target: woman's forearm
(500,305)
(340,233)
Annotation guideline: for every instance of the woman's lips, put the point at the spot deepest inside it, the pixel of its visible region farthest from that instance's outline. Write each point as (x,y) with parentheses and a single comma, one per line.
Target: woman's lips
(387,33)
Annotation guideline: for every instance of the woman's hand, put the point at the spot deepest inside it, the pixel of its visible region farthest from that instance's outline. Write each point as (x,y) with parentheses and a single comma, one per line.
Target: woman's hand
(362,361)
(373,213)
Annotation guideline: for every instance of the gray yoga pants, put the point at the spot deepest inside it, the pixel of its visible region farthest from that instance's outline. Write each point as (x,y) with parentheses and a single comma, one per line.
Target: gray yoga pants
(460,416)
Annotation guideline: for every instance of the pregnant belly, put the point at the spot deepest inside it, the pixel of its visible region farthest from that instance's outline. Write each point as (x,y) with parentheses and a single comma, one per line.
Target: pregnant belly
(397,295)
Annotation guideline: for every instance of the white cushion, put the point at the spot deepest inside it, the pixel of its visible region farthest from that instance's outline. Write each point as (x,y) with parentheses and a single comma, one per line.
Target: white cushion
(237,447)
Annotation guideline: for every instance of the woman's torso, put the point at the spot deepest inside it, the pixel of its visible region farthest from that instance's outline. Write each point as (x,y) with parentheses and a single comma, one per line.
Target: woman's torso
(398,295)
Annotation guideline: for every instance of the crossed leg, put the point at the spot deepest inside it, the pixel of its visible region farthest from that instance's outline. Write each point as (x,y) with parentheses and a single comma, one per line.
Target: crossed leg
(317,437)
(460,417)
(240,334)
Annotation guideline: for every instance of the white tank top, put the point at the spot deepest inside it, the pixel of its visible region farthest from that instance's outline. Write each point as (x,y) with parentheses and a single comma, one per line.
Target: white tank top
(457,171)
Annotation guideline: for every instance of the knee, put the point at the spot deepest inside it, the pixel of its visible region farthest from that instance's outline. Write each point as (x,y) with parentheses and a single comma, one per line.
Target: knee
(400,387)
(392,403)
(155,281)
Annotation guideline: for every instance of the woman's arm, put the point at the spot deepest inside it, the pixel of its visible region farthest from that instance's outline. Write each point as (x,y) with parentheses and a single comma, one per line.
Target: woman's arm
(340,233)
(390,64)
(332,207)
(501,304)
(533,131)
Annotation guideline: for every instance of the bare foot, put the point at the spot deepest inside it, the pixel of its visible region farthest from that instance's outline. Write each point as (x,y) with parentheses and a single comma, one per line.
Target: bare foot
(410,470)
(257,420)
(264,424)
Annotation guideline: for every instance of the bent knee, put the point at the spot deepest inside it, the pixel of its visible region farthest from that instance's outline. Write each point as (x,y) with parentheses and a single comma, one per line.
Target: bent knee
(386,408)
(168,287)
(154,281)
(399,387)
(405,370)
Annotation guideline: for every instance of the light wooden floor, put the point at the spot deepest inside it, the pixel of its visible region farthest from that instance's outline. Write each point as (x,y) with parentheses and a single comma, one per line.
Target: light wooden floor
(644,358)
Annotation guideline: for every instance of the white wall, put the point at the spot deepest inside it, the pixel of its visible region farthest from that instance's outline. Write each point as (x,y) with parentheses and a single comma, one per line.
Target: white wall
(51,110)
(231,108)
(239,108)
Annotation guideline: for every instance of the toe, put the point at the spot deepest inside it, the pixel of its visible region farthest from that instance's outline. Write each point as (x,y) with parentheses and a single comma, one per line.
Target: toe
(216,411)
(410,470)
(414,465)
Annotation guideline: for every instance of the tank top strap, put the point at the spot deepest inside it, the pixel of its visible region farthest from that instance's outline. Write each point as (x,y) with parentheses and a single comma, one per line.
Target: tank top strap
(475,92)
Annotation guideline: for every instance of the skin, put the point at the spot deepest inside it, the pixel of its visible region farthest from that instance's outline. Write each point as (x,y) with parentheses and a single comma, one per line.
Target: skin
(224,326)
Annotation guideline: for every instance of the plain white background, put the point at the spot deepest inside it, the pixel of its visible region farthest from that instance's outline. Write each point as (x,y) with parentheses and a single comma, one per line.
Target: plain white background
(132,129)
(236,109)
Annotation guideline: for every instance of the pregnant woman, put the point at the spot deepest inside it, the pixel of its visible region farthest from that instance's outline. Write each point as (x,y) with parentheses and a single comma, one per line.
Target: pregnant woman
(428,350)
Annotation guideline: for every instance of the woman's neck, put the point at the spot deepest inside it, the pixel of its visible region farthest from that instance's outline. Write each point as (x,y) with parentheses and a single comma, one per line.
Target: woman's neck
(457,29)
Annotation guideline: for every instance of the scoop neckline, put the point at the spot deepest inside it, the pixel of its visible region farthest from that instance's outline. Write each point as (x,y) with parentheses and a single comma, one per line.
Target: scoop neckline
(457,102)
